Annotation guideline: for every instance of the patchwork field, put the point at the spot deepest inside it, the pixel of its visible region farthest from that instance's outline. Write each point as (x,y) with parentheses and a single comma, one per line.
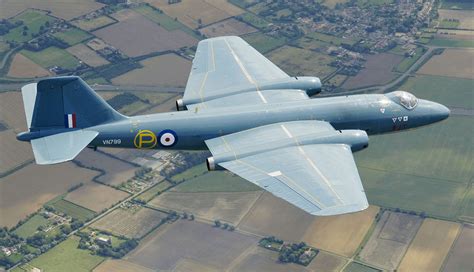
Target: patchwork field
(52,56)
(32,19)
(120,266)
(116,171)
(190,240)
(326,262)
(261,219)
(377,71)
(341,234)
(459,61)
(430,246)
(450,91)
(22,67)
(229,27)
(164,70)
(65,9)
(93,24)
(194,13)
(465,17)
(390,239)
(433,180)
(461,254)
(87,55)
(72,36)
(297,61)
(95,196)
(263,43)
(136,35)
(229,207)
(29,228)
(132,223)
(26,190)
(71,209)
(265,260)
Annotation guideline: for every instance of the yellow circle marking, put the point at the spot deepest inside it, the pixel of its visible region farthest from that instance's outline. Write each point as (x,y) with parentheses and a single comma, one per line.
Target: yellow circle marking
(145,139)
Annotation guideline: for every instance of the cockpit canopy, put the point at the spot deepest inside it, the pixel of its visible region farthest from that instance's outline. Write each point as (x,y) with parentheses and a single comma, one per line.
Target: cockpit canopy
(403,98)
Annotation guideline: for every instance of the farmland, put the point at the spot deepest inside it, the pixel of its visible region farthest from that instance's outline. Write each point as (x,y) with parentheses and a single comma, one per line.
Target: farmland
(230,207)
(191,240)
(194,13)
(461,254)
(460,62)
(227,27)
(164,70)
(32,21)
(87,55)
(406,63)
(71,209)
(465,17)
(93,24)
(132,222)
(154,191)
(296,61)
(120,266)
(95,196)
(151,37)
(29,227)
(65,9)
(253,20)
(341,234)
(72,36)
(357,267)
(26,190)
(263,43)
(448,42)
(390,239)
(52,56)
(327,262)
(264,260)
(22,67)
(377,71)
(430,246)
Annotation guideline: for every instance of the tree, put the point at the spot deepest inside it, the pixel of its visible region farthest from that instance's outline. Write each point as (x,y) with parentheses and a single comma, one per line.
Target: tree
(217,223)
(24,33)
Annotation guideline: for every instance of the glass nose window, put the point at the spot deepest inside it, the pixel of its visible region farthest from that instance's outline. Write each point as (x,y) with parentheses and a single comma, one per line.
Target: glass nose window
(405,99)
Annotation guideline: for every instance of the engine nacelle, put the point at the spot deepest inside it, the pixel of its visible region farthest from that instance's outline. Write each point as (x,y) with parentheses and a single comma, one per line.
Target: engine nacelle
(180,105)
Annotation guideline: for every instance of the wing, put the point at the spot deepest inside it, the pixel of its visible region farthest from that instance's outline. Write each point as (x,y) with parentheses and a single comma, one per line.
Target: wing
(321,179)
(228,66)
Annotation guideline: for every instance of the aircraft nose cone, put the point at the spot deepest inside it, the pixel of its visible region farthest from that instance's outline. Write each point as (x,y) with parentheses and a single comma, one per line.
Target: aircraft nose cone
(440,112)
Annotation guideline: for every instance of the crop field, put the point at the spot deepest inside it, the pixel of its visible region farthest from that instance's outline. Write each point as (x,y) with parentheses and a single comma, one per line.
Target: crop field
(65,9)
(93,24)
(72,36)
(327,262)
(465,17)
(154,191)
(253,20)
(52,56)
(459,61)
(229,207)
(430,246)
(260,259)
(333,3)
(116,171)
(377,71)
(461,254)
(168,105)
(164,70)
(185,265)
(71,209)
(120,266)
(191,12)
(26,190)
(87,55)
(29,228)
(66,257)
(341,234)
(333,40)
(454,4)
(95,196)
(390,239)
(131,222)
(13,153)
(309,43)
(454,92)
(261,219)
(22,67)
(11,111)
(190,240)
(298,62)
(263,43)
(136,36)
(427,169)
(444,41)
(228,27)
(357,267)
(32,19)
(406,63)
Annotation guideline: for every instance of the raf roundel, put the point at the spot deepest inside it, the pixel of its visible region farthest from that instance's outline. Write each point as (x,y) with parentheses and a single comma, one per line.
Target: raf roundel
(168,138)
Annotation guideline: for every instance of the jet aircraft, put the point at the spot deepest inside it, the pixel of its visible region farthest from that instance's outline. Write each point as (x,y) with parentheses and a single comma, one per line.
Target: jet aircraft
(257,121)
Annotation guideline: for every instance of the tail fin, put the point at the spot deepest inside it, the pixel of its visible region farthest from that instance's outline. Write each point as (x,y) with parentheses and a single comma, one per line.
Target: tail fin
(58,113)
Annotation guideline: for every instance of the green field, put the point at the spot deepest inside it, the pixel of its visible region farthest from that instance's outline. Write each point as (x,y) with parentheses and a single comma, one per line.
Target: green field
(457,4)
(455,92)
(448,24)
(29,228)
(427,169)
(164,20)
(366,3)
(95,23)
(357,267)
(262,42)
(253,20)
(452,43)
(52,56)
(73,210)
(72,36)
(309,43)
(33,20)
(218,181)
(66,257)
(406,63)
(191,173)
(330,39)
(154,191)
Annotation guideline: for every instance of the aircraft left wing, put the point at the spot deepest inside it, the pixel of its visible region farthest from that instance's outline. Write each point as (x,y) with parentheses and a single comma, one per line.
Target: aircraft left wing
(321,179)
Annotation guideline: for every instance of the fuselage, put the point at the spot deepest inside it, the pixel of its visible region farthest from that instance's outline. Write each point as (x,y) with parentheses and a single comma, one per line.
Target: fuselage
(187,130)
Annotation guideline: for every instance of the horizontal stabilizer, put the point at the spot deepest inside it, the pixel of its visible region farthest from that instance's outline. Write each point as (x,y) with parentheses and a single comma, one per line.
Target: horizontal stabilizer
(61,147)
